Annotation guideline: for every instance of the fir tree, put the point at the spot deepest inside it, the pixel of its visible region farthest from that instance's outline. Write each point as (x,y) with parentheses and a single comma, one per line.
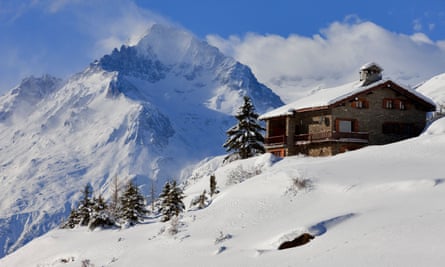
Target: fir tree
(177,195)
(72,221)
(100,215)
(85,206)
(132,204)
(245,139)
(171,201)
(81,215)
(166,201)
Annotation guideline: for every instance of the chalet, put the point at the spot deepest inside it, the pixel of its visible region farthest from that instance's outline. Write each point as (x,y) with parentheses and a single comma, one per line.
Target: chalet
(372,111)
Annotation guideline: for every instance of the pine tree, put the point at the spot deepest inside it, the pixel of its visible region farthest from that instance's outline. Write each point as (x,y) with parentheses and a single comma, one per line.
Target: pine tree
(100,215)
(245,138)
(166,201)
(132,204)
(81,215)
(177,195)
(85,206)
(72,221)
(171,201)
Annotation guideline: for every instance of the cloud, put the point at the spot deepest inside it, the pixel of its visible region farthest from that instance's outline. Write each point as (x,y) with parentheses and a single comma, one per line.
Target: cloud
(109,23)
(62,37)
(295,65)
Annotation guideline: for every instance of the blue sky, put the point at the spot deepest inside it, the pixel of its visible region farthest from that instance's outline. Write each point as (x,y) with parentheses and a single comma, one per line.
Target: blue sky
(61,37)
(285,17)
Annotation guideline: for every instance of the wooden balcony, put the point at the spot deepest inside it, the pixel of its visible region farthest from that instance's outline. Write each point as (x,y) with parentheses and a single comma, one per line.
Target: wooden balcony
(359,137)
(275,140)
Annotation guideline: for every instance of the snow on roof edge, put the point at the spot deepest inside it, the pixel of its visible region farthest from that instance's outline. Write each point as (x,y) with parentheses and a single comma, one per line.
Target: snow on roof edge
(328,96)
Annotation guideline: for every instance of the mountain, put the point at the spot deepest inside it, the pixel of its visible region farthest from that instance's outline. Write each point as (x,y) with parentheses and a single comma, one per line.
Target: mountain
(143,112)
(377,206)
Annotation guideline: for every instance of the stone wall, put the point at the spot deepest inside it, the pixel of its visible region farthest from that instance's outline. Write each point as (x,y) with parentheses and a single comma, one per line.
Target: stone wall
(372,118)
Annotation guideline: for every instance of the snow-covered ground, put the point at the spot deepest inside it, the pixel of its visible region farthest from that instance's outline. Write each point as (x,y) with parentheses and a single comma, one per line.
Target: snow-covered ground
(378,206)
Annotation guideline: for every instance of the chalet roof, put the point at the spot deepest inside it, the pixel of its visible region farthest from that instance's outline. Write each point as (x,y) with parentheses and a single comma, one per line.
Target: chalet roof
(326,97)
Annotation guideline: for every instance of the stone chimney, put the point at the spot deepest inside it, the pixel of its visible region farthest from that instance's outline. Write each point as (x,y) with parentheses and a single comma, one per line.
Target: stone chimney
(369,73)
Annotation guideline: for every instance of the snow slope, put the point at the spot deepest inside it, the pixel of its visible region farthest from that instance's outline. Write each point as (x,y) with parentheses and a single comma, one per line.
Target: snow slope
(434,88)
(142,112)
(377,206)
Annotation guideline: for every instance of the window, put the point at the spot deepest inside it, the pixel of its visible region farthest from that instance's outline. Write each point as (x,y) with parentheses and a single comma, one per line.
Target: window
(277,127)
(344,126)
(394,104)
(387,103)
(360,103)
(401,104)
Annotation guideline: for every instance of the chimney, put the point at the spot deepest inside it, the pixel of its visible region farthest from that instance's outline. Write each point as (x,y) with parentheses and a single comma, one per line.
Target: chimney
(369,73)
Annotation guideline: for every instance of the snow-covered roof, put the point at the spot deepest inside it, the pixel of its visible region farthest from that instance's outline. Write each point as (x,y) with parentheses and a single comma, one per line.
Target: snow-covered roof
(369,65)
(329,96)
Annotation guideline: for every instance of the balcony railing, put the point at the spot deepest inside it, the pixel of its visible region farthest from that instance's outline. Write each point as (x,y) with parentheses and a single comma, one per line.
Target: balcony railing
(273,140)
(320,137)
(332,135)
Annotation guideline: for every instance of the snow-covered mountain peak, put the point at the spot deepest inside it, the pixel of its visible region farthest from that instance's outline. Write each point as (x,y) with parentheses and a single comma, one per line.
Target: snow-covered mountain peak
(143,112)
(22,99)
(174,46)
(172,65)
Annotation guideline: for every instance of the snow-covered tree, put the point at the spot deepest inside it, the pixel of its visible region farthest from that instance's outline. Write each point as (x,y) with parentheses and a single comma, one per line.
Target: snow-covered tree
(100,214)
(132,204)
(81,215)
(171,201)
(85,206)
(177,196)
(245,139)
(72,221)
(166,201)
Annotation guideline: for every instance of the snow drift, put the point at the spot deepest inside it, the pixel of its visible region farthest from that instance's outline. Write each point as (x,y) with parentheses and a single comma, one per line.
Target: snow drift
(377,206)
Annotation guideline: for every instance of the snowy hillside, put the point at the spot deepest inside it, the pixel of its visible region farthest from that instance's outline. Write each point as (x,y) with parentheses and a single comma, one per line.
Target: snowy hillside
(378,206)
(145,111)
(435,89)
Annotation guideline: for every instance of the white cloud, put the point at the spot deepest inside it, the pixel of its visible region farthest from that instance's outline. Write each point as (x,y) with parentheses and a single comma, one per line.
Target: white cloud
(111,23)
(67,36)
(294,65)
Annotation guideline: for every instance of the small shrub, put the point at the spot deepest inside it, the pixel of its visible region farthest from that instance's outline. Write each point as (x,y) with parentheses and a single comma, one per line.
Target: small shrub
(200,201)
(222,237)
(174,226)
(87,263)
(299,184)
